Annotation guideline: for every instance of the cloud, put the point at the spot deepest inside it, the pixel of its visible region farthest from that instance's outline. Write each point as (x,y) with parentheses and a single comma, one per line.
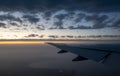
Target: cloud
(116,24)
(14,24)
(9,17)
(18,20)
(53,36)
(79,27)
(80,16)
(32,35)
(31,19)
(57,25)
(60,17)
(3,25)
(40,27)
(98,20)
(47,15)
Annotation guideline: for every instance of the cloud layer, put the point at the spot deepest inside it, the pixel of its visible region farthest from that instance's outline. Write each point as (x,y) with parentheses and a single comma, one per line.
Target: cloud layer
(59,19)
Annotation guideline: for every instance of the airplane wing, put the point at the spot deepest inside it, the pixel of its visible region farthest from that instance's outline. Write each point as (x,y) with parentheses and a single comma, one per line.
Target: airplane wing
(104,53)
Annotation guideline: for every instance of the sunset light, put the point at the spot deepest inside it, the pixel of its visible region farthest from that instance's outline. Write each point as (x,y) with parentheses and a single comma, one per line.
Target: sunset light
(20,42)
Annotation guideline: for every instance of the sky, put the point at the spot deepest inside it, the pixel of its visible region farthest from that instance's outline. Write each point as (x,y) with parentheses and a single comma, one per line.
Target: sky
(26,19)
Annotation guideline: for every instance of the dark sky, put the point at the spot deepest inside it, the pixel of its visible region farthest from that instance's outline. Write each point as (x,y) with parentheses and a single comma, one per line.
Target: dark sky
(88,5)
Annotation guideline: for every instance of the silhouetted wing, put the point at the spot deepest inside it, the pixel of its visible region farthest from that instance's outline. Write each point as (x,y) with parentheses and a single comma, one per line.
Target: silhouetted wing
(104,53)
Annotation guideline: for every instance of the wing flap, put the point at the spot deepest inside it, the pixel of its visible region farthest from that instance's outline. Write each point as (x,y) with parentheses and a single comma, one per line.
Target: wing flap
(79,58)
(62,51)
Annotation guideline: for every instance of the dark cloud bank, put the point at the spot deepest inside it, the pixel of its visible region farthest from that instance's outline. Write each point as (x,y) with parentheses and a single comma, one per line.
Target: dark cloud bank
(87,5)
(59,21)
(50,7)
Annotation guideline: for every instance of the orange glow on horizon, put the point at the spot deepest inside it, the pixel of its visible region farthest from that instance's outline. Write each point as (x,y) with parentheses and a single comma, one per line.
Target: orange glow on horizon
(20,42)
